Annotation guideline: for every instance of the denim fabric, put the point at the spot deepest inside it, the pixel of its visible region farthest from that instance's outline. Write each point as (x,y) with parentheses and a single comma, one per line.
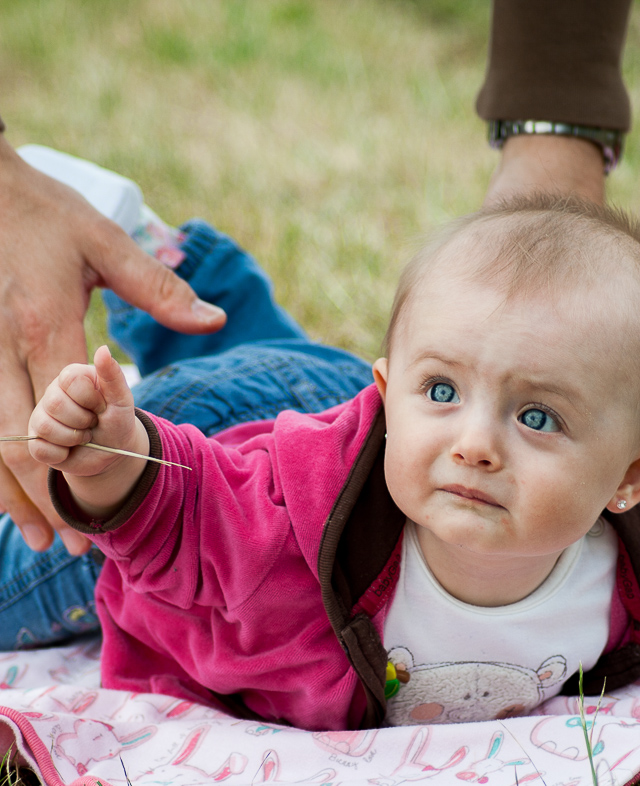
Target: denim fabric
(44,597)
(252,382)
(260,363)
(221,273)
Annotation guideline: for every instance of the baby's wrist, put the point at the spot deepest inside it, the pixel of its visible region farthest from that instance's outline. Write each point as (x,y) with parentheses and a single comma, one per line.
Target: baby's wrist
(142,445)
(103,494)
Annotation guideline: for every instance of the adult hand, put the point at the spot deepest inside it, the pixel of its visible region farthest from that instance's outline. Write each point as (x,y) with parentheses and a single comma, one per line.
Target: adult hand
(558,164)
(54,248)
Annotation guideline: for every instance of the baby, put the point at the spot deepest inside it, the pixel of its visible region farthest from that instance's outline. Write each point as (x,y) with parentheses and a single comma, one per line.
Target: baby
(435,549)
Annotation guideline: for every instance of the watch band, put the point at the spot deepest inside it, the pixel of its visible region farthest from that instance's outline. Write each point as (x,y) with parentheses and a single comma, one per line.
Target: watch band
(609,141)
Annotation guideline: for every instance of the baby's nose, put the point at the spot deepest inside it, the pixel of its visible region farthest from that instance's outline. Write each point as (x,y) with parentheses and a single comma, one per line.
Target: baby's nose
(478,445)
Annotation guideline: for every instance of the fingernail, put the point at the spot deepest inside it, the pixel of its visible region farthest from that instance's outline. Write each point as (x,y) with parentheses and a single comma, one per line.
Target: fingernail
(74,542)
(36,538)
(207,312)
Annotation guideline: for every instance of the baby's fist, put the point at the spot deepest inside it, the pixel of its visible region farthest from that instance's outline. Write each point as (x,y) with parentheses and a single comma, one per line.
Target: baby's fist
(65,415)
(85,404)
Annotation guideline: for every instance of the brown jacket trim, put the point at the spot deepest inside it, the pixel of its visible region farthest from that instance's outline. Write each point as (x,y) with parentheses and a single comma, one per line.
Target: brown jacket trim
(622,666)
(557,60)
(613,670)
(353,552)
(627,525)
(70,513)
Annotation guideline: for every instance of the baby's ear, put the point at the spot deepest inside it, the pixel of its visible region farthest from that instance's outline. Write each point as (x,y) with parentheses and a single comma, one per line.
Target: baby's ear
(380,375)
(628,491)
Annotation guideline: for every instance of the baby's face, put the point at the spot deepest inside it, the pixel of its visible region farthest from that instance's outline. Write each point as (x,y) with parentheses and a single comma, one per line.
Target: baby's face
(510,426)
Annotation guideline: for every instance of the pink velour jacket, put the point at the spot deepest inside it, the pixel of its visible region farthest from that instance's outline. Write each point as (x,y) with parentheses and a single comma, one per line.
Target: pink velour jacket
(212,581)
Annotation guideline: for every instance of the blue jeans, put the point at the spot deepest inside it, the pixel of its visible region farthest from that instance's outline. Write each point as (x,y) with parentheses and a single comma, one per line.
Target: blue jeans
(260,363)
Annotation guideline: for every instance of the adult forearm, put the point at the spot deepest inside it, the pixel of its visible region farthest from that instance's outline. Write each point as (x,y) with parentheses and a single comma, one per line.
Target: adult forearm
(556,164)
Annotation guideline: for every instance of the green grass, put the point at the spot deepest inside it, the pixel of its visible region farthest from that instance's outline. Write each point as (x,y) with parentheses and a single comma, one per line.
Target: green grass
(588,727)
(327,137)
(13,774)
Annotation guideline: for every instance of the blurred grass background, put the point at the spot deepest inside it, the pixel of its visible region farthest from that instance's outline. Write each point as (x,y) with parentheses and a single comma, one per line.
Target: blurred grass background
(326,136)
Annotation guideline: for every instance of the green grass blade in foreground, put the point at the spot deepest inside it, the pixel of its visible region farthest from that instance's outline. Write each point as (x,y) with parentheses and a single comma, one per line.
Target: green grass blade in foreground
(588,736)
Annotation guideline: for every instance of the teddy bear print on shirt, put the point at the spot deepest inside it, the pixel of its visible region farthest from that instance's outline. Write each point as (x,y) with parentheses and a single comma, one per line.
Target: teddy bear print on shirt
(467,691)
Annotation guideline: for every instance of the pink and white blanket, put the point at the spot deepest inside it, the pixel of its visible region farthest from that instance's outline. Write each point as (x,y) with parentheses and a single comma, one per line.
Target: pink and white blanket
(71,731)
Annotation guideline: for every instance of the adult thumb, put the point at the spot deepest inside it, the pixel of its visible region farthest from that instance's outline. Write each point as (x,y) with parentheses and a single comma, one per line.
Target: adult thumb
(147,284)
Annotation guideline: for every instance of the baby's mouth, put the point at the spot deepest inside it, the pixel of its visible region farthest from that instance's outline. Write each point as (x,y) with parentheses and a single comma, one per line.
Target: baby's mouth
(475,495)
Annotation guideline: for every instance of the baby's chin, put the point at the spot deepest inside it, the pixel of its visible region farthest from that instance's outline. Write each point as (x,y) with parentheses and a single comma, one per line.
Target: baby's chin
(464,531)
(467,523)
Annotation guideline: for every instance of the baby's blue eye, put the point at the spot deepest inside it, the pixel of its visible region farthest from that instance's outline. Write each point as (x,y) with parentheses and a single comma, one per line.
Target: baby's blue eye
(443,393)
(539,420)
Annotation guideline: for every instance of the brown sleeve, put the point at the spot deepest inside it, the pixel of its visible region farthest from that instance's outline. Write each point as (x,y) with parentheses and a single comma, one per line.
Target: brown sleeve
(557,60)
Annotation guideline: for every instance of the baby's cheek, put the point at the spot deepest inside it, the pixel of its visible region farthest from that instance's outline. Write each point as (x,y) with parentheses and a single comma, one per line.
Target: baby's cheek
(555,519)
(405,480)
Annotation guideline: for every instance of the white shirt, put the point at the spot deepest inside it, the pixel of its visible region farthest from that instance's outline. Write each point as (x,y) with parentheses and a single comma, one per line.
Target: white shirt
(471,663)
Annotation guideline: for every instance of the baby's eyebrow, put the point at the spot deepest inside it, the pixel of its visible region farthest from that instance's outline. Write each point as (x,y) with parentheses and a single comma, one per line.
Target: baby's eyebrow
(570,394)
(567,392)
(432,354)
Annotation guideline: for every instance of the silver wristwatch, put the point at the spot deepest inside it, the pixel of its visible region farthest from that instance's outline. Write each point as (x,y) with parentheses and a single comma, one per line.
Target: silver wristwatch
(609,141)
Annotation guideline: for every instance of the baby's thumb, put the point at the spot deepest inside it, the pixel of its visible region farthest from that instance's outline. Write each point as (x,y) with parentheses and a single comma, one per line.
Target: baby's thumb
(113,385)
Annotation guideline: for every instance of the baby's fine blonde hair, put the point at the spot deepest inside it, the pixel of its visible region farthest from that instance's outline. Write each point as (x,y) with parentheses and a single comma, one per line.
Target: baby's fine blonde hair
(525,245)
